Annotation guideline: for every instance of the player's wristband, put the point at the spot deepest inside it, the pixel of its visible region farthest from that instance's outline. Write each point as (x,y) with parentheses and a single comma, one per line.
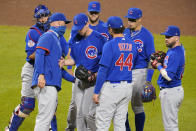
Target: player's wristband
(150,73)
(69,67)
(159,67)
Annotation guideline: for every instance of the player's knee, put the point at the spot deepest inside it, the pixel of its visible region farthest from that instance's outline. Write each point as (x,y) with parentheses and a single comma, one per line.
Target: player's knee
(26,107)
(138,109)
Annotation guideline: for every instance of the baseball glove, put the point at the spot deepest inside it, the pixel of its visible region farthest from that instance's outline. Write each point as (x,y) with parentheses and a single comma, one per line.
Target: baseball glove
(149,93)
(157,57)
(84,74)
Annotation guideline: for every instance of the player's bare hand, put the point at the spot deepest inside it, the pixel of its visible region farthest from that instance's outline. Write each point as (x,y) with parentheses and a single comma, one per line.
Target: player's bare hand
(41,81)
(70,71)
(92,77)
(61,62)
(96,98)
(158,64)
(147,83)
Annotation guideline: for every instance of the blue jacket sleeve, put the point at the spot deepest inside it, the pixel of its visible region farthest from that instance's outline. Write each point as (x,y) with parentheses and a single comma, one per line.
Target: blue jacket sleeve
(150,73)
(39,61)
(149,46)
(69,67)
(67,76)
(101,77)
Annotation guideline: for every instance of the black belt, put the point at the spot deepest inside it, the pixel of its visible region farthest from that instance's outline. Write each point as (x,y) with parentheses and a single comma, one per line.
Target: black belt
(161,88)
(32,62)
(129,81)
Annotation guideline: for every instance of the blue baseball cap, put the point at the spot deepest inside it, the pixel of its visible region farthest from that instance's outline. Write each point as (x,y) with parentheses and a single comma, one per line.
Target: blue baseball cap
(80,20)
(134,13)
(171,31)
(58,17)
(94,6)
(114,22)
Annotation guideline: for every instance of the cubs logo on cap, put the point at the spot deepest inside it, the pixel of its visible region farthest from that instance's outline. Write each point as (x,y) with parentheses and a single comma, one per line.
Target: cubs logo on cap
(134,13)
(131,12)
(80,20)
(75,22)
(94,6)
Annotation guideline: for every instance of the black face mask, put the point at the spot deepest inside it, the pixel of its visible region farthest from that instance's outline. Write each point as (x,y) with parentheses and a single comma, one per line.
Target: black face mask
(43,26)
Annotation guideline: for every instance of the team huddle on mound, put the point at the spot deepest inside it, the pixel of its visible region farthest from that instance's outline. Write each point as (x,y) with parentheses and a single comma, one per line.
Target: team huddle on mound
(114,65)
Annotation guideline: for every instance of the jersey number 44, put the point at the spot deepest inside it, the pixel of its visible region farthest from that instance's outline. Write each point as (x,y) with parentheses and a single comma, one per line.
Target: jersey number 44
(127,63)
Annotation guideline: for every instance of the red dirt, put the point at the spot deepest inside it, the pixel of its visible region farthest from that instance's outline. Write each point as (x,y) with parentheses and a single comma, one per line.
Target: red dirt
(157,14)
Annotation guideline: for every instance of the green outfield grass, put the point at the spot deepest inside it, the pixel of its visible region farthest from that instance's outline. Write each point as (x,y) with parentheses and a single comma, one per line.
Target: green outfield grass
(12,54)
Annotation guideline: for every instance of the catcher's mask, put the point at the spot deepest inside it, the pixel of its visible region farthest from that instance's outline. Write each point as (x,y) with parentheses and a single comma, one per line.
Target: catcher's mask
(41,11)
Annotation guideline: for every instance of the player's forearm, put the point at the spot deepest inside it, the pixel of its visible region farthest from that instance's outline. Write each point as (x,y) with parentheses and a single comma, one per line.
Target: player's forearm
(163,72)
(69,62)
(67,76)
(39,61)
(32,56)
(101,77)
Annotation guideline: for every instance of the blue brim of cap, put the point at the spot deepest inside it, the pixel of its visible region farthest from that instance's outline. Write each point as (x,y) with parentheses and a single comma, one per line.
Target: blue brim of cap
(77,28)
(67,21)
(130,17)
(93,10)
(167,34)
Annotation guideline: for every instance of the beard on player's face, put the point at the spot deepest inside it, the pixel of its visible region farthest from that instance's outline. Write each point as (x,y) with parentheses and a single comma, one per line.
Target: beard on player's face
(93,19)
(132,26)
(170,44)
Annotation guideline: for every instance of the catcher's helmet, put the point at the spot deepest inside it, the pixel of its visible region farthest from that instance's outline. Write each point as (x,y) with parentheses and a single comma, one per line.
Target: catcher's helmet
(40,11)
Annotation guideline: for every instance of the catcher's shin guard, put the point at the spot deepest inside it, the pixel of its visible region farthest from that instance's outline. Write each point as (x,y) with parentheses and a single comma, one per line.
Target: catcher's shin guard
(139,121)
(127,124)
(54,123)
(15,122)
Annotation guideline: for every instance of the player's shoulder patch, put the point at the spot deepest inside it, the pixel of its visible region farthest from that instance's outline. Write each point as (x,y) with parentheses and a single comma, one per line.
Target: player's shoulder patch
(31,43)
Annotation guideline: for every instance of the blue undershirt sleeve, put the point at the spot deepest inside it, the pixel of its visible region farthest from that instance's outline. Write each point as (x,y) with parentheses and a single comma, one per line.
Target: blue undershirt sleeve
(150,73)
(39,61)
(69,67)
(101,77)
(67,76)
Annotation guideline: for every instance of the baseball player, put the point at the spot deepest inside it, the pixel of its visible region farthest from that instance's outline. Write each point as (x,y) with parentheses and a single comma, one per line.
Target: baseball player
(94,9)
(169,81)
(113,88)
(86,50)
(27,105)
(47,74)
(141,74)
